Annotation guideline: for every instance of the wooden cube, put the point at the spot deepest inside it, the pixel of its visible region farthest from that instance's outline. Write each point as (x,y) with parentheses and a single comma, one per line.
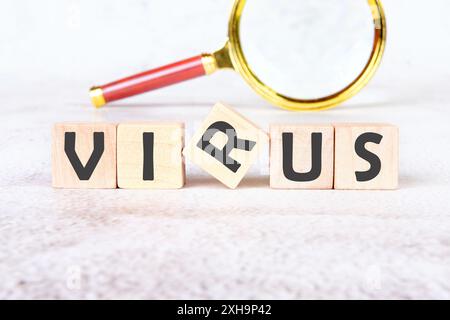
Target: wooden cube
(226,145)
(301,156)
(84,155)
(366,156)
(149,155)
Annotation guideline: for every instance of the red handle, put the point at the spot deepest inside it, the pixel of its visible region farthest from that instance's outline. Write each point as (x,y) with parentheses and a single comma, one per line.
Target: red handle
(148,80)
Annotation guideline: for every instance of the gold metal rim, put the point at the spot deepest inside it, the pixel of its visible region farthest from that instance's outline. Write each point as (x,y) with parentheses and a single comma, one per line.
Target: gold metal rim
(235,54)
(97,97)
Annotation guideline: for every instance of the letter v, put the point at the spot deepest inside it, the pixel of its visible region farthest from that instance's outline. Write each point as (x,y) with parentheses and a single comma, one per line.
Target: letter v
(84,172)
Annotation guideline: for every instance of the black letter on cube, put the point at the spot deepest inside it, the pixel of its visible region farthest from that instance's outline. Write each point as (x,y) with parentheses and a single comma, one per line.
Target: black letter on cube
(233,142)
(375,162)
(84,172)
(316,158)
(148,140)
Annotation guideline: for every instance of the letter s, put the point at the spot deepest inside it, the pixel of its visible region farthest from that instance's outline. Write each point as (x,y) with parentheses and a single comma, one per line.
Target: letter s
(373,159)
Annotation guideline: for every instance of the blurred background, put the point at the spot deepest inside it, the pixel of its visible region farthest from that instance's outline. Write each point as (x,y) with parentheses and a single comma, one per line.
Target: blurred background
(85,42)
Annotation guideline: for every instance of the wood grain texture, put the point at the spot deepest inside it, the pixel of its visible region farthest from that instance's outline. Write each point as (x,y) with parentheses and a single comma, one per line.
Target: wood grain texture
(63,173)
(347,162)
(168,164)
(244,129)
(302,156)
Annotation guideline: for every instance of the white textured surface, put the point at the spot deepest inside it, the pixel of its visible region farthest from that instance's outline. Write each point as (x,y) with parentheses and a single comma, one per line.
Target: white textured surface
(206,241)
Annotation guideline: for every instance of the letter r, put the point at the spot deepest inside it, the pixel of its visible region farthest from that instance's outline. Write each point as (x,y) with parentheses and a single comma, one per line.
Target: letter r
(233,142)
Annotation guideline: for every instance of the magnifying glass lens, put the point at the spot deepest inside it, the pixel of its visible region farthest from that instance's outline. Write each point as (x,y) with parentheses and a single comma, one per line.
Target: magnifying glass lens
(307,49)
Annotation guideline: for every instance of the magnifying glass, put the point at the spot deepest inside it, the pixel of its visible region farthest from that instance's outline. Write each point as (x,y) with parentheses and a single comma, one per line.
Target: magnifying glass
(298,55)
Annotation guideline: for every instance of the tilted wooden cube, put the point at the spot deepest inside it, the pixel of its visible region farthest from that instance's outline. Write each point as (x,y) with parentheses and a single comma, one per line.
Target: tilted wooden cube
(226,145)
(301,156)
(149,155)
(84,155)
(366,156)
